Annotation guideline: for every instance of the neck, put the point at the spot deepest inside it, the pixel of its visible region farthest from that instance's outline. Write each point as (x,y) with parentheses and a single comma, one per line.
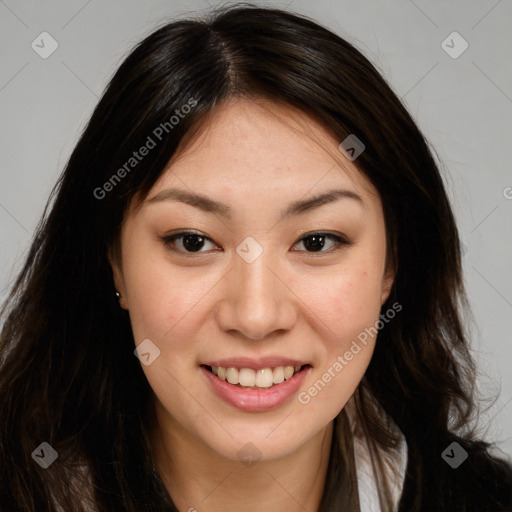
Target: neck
(197,478)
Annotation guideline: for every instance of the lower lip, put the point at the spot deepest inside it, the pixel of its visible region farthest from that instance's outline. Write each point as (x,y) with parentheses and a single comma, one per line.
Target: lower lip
(254,400)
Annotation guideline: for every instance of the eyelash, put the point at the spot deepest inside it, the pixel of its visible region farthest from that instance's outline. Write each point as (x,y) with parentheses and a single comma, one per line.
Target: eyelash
(339,240)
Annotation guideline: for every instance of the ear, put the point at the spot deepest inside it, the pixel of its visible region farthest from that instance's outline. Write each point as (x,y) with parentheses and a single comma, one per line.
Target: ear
(387,283)
(118,277)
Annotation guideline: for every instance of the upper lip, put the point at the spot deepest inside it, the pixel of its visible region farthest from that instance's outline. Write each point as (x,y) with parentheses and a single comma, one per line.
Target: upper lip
(255,363)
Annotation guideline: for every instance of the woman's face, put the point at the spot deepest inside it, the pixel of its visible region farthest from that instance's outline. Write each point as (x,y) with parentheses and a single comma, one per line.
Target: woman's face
(249,292)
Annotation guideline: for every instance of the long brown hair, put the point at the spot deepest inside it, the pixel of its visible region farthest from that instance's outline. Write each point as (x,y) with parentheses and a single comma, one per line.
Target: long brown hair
(68,375)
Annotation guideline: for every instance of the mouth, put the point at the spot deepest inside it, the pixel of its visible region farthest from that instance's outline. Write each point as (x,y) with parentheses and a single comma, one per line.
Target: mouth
(264,387)
(256,379)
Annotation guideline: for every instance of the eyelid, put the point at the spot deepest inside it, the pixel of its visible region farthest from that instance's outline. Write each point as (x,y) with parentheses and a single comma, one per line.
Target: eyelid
(339,239)
(169,239)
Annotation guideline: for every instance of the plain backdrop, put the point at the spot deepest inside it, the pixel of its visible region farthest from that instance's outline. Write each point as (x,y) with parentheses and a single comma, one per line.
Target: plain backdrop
(461,101)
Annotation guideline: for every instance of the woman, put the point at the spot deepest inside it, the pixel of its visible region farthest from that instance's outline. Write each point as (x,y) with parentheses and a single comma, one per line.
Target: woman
(195,327)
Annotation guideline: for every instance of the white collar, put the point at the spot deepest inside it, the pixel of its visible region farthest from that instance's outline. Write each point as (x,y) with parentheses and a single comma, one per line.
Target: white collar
(366,481)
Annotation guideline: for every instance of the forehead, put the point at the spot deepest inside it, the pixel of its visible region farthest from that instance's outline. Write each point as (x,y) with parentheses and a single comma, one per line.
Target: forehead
(258,148)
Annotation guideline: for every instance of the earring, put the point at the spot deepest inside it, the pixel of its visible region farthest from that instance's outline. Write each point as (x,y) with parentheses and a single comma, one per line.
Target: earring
(119,298)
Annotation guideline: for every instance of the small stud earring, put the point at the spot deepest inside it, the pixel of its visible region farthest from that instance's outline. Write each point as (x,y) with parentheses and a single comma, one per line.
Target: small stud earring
(119,298)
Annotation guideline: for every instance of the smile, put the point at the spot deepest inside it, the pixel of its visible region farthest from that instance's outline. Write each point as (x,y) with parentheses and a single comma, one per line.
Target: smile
(255,389)
(263,378)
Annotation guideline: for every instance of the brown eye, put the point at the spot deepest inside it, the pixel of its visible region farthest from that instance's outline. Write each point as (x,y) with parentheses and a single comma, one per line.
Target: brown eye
(186,242)
(189,242)
(316,242)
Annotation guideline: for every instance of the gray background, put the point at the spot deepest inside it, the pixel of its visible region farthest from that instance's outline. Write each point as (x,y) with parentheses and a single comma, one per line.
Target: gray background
(463,105)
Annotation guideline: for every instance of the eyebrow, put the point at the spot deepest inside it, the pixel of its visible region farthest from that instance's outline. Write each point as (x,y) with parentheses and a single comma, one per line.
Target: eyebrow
(296,208)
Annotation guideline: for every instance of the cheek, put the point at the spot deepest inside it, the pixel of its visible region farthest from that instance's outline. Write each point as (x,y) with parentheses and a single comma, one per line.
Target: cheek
(346,311)
(147,303)
(159,300)
(346,302)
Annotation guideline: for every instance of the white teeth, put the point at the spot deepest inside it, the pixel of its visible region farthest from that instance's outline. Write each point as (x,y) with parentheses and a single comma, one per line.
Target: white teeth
(288,371)
(249,378)
(264,378)
(232,375)
(278,376)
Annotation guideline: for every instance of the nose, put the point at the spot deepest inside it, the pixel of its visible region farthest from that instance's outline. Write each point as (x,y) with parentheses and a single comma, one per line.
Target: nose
(256,301)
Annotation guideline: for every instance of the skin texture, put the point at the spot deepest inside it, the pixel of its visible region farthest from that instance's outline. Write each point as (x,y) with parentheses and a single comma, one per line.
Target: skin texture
(257,157)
